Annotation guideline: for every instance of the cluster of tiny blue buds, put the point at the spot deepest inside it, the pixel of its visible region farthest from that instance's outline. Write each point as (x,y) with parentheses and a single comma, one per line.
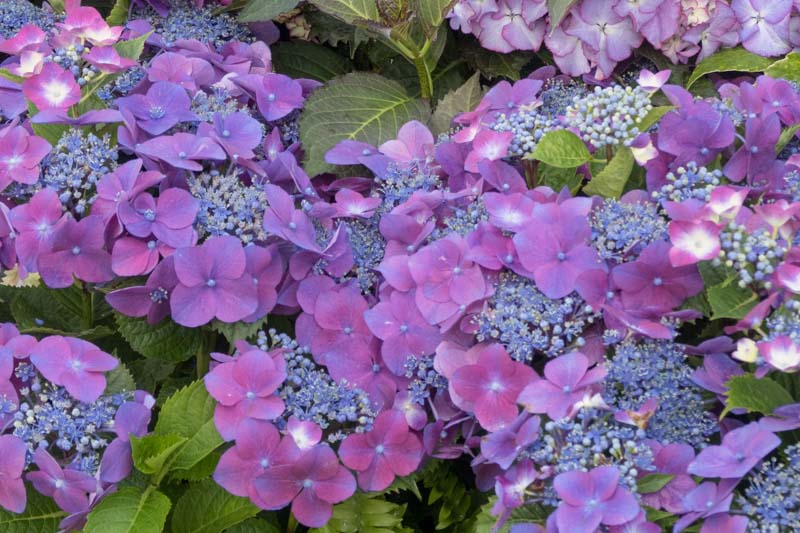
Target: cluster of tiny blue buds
(620,231)
(206,105)
(228,205)
(462,220)
(527,322)
(69,58)
(289,128)
(557,95)
(784,322)
(792,184)
(593,438)
(74,167)
(528,125)
(48,417)
(369,247)
(310,393)
(658,369)
(14,14)
(423,378)
(400,182)
(754,256)
(187,21)
(122,85)
(725,106)
(771,500)
(689,182)
(609,116)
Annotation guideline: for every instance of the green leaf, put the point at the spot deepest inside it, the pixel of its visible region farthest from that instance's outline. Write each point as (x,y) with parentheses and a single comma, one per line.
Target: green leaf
(359,106)
(238,331)
(653,483)
(557,9)
(756,395)
(11,77)
(462,99)
(562,149)
(208,508)
(432,12)
(259,10)
(302,59)
(130,510)
(729,60)
(786,136)
(362,512)
(494,64)
(41,515)
(350,11)
(558,178)
(190,413)
(202,470)
(120,380)
(610,182)
(255,525)
(166,340)
(728,300)
(119,13)
(49,132)
(787,68)
(151,452)
(653,116)
(132,48)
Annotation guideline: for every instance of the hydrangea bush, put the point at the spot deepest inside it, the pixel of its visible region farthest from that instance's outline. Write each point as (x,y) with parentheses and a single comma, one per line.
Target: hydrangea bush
(403,265)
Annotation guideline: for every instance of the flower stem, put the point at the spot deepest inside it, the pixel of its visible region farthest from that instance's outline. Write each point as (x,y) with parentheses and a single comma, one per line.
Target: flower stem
(425,79)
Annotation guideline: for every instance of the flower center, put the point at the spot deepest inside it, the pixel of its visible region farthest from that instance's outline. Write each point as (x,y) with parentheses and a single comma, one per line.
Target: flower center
(157,112)
(76,250)
(211,283)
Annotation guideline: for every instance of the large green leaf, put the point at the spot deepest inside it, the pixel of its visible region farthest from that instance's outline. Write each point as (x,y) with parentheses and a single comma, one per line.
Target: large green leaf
(41,515)
(363,512)
(130,510)
(760,395)
(151,452)
(610,182)
(208,508)
(493,64)
(557,9)
(350,11)
(166,340)
(787,68)
(360,106)
(302,59)
(120,380)
(729,60)
(190,413)
(562,149)
(432,13)
(653,483)
(728,300)
(255,525)
(653,116)
(258,10)
(457,101)
(119,13)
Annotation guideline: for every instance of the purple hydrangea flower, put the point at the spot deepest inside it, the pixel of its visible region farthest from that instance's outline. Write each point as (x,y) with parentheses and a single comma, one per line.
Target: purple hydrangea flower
(212,283)
(168,218)
(162,107)
(589,499)
(740,450)
(386,451)
(69,488)
(76,250)
(12,463)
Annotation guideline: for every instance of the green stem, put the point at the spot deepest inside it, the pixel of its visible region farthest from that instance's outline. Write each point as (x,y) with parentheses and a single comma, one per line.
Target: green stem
(531,173)
(87,318)
(203,357)
(291,526)
(425,80)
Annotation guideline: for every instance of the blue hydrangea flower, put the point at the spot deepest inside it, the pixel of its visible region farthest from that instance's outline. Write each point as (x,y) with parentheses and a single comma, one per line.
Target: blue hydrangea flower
(771,499)
(228,206)
(609,116)
(754,256)
(527,322)
(14,14)
(648,369)
(620,231)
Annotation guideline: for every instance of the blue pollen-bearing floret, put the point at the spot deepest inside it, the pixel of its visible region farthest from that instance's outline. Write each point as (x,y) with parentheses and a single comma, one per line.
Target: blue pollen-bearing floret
(620,231)
(369,247)
(792,184)
(771,500)
(659,369)
(689,182)
(310,393)
(462,220)
(725,106)
(557,95)
(122,85)
(754,256)
(527,322)
(187,21)
(593,438)
(609,116)
(228,205)
(206,105)
(74,167)
(288,126)
(14,14)
(784,322)
(70,58)
(423,378)
(401,181)
(48,417)
(528,124)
